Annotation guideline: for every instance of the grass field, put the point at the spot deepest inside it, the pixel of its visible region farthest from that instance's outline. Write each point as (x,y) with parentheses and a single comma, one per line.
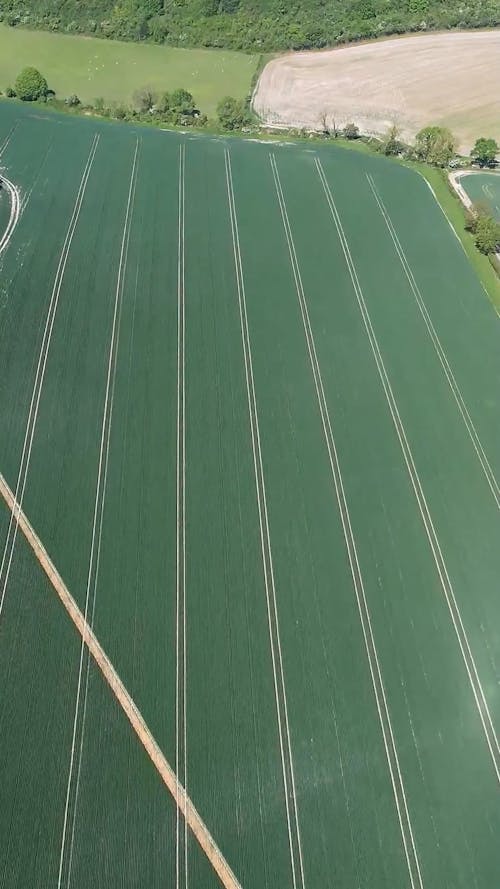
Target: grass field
(484,188)
(249,402)
(94,68)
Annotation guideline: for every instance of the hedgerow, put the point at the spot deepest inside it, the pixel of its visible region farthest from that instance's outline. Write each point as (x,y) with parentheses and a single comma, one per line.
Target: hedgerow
(251,25)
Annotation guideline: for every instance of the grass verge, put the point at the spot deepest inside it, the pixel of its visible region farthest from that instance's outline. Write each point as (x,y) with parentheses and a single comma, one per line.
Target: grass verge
(454,210)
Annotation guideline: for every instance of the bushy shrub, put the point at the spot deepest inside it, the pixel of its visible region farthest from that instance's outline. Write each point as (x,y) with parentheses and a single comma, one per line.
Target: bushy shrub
(485,152)
(233,114)
(31,85)
(391,145)
(351,131)
(487,234)
(435,145)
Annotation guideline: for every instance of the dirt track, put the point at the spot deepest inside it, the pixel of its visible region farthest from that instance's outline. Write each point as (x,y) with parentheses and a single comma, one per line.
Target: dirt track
(451,79)
(135,718)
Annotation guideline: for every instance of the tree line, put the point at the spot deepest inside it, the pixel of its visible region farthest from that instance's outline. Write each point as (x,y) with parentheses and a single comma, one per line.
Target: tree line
(250,25)
(433,145)
(176,107)
(437,146)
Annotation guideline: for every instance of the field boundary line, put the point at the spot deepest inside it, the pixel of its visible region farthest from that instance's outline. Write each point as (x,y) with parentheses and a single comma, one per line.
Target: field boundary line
(294,839)
(40,371)
(97,526)
(409,845)
(446,585)
(181,845)
(457,394)
(196,824)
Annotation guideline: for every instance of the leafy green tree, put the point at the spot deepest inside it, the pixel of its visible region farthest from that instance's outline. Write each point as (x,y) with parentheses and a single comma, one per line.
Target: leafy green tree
(364,9)
(183,102)
(164,103)
(487,234)
(73,101)
(476,211)
(435,145)
(31,85)
(233,114)
(391,144)
(485,152)
(351,131)
(158,28)
(418,7)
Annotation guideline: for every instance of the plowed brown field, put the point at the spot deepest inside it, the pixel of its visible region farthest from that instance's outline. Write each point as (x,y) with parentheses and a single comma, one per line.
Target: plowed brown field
(449,79)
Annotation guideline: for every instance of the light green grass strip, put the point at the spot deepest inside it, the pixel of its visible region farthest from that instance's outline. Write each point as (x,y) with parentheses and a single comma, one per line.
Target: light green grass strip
(455,213)
(91,67)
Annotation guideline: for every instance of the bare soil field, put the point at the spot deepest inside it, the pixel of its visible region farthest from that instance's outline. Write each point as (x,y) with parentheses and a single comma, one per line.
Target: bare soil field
(450,79)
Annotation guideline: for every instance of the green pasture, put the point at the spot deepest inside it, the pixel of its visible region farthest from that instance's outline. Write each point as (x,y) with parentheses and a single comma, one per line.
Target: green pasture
(94,68)
(484,189)
(106,437)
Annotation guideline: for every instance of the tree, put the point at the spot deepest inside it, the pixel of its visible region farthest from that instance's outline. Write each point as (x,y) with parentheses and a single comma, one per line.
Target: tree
(391,144)
(351,131)
(144,99)
(233,114)
(31,85)
(485,152)
(435,145)
(158,28)
(323,122)
(182,102)
(164,103)
(487,234)
(72,101)
(328,123)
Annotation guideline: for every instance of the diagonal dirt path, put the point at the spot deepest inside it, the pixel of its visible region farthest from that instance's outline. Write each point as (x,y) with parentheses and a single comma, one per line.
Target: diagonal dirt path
(164,769)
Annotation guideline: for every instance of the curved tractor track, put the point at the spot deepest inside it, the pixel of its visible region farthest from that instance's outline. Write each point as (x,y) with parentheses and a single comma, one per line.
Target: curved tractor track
(15,211)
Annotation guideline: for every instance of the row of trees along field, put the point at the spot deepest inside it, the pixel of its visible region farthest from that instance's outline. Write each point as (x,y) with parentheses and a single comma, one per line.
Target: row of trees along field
(256,25)
(433,144)
(177,107)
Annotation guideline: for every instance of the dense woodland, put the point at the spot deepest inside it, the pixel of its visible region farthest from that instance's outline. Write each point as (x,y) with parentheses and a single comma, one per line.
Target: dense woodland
(255,25)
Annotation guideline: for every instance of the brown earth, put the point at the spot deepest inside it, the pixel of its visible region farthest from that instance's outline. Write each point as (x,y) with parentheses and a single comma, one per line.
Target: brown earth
(451,79)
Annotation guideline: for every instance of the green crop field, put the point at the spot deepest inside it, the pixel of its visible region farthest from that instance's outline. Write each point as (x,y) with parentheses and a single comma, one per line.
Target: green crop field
(94,68)
(249,402)
(484,189)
